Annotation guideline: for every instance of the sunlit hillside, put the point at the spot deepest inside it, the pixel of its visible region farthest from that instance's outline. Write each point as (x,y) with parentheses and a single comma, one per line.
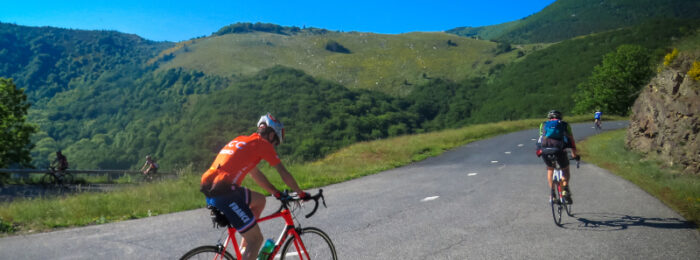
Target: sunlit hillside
(388,63)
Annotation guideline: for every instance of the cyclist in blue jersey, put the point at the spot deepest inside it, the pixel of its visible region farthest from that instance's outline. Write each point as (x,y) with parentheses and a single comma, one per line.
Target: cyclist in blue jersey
(597,117)
(557,145)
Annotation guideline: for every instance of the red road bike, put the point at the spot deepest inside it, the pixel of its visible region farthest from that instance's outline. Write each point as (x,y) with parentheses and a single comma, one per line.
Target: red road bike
(294,241)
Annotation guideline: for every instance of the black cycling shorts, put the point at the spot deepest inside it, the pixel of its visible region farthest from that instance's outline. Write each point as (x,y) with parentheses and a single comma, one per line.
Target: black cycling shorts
(234,205)
(560,156)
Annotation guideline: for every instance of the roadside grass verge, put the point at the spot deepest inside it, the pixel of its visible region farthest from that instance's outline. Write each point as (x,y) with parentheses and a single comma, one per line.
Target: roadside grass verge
(78,178)
(679,191)
(137,201)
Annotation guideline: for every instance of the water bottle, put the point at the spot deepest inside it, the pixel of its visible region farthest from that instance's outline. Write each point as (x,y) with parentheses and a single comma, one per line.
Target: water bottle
(267,249)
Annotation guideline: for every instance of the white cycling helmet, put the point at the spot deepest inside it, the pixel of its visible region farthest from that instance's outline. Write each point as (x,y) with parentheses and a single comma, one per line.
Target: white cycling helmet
(277,126)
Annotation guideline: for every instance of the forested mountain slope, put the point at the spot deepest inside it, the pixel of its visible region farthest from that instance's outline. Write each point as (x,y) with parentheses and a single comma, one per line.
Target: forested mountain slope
(548,78)
(47,60)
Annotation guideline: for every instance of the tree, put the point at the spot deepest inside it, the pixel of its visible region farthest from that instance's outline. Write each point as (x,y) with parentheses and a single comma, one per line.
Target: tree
(503,47)
(14,131)
(336,47)
(615,83)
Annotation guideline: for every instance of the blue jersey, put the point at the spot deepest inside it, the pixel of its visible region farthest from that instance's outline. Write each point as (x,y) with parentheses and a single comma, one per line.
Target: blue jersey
(598,114)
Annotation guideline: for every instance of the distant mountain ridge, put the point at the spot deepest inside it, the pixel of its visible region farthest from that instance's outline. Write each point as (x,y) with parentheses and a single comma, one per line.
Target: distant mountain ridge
(239,28)
(565,19)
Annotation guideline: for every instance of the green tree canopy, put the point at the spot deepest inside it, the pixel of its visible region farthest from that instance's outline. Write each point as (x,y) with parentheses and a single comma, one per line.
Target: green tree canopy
(14,131)
(615,83)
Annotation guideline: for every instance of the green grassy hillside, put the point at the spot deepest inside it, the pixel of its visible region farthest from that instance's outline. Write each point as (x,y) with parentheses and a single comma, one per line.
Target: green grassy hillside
(387,63)
(565,19)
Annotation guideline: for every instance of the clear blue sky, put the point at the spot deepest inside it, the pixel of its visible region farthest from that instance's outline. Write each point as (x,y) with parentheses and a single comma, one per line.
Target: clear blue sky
(178,20)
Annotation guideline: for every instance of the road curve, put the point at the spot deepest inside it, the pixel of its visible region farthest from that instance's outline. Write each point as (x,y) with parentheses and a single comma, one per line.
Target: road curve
(485,200)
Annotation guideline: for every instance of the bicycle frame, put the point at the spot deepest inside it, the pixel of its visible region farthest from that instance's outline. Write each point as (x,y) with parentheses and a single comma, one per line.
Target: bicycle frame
(556,176)
(556,179)
(290,229)
(59,177)
(558,173)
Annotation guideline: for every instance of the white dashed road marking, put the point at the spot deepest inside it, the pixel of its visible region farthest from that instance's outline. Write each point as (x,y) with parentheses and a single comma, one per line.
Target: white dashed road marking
(494,161)
(521,145)
(472,174)
(430,198)
(508,152)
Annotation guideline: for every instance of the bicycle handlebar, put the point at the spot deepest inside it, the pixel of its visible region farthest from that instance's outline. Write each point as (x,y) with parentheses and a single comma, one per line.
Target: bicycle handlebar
(295,198)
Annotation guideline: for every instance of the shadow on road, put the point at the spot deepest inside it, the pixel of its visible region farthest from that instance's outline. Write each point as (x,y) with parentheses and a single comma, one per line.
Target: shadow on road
(615,222)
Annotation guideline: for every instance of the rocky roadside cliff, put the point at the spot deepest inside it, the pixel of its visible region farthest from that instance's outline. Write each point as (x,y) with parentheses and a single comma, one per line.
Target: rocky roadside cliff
(665,119)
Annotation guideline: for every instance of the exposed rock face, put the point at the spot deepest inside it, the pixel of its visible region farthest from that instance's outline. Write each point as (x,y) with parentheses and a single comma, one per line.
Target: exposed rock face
(666,117)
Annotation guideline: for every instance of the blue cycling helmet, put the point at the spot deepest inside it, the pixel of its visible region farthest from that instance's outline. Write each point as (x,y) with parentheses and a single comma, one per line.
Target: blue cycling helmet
(276,126)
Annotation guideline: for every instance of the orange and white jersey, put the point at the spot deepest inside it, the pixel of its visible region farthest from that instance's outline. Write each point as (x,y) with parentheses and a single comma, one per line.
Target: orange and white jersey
(238,158)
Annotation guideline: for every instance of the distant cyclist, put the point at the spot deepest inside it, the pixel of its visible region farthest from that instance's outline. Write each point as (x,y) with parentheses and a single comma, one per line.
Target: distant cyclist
(150,168)
(61,163)
(221,184)
(555,137)
(597,116)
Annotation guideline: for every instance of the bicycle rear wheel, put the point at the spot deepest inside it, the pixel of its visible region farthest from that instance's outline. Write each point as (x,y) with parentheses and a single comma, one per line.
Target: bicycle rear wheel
(556,204)
(207,252)
(317,244)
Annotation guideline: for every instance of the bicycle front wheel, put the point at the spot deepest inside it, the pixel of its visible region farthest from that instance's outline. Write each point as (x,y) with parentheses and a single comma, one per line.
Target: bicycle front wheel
(207,252)
(317,244)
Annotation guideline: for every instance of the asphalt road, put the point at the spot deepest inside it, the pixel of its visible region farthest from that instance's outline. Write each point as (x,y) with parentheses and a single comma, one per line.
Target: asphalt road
(485,200)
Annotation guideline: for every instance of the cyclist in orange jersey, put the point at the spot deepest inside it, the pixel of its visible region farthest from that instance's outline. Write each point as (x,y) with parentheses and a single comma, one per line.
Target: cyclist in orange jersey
(221,184)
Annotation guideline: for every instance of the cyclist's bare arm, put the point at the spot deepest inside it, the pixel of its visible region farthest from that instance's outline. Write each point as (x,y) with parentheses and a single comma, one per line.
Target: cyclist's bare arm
(287,178)
(262,181)
(573,148)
